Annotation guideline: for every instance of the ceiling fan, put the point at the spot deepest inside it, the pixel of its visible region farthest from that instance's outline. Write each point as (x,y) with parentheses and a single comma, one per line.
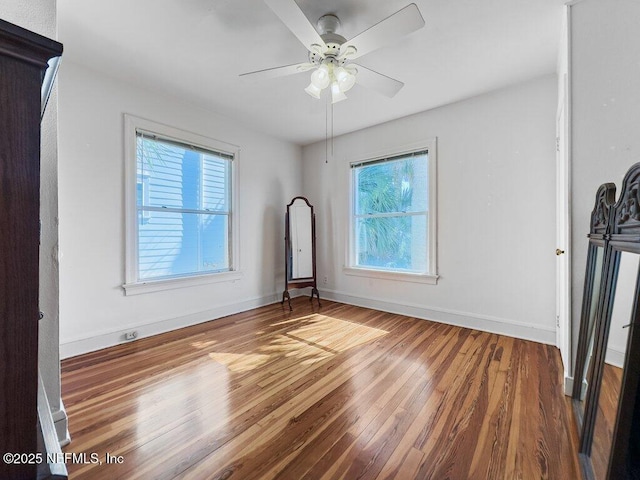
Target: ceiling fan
(331,55)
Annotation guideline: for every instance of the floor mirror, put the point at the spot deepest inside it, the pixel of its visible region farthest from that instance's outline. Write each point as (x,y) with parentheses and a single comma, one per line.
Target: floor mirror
(300,249)
(609,433)
(592,295)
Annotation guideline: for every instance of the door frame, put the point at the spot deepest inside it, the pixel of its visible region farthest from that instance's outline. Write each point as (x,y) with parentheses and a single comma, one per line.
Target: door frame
(563,204)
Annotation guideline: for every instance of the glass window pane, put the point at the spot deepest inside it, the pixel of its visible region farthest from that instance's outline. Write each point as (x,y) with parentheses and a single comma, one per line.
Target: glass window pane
(392,187)
(215,178)
(172,243)
(174,176)
(392,243)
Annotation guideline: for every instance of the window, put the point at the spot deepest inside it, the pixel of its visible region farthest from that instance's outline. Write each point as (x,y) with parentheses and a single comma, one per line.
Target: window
(393,216)
(180,206)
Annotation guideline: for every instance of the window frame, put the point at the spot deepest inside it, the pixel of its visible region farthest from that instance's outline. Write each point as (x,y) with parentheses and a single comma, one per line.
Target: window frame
(133,285)
(351,267)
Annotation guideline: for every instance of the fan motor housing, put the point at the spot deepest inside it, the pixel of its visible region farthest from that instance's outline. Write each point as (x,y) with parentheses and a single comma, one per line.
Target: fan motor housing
(328,23)
(331,54)
(327,27)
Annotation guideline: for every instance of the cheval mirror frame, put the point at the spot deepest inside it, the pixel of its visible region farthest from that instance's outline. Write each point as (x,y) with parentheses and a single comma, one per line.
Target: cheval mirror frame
(619,457)
(300,249)
(599,230)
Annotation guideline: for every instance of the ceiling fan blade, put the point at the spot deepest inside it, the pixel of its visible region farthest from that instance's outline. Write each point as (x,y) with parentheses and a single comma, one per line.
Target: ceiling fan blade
(391,28)
(280,71)
(376,81)
(291,15)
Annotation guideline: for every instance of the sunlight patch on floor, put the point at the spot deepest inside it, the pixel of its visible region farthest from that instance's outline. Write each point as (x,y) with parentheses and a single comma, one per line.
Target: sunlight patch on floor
(335,334)
(204,344)
(316,338)
(240,362)
(293,320)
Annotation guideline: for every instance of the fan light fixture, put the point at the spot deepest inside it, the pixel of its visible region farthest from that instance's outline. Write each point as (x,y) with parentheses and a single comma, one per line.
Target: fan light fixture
(341,80)
(330,54)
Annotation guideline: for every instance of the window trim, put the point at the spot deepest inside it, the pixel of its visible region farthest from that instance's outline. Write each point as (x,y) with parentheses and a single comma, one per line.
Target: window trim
(431,277)
(134,286)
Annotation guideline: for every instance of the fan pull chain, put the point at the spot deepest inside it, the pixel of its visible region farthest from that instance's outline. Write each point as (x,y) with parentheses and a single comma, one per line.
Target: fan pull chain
(332,130)
(328,138)
(326,133)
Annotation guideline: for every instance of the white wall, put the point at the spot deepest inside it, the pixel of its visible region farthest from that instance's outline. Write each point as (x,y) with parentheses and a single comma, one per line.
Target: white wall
(93,308)
(605,79)
(496,215)
(40,17)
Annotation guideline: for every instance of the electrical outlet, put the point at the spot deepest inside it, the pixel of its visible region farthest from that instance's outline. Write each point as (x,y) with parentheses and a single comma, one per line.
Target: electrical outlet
(325,280)
(131,335)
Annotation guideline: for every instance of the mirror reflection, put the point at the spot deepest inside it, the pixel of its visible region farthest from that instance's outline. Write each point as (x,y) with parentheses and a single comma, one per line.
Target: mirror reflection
(300,235)
(622,309)
(593,306)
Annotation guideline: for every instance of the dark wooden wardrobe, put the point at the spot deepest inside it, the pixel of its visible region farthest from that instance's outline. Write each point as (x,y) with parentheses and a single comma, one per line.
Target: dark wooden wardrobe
(23,62)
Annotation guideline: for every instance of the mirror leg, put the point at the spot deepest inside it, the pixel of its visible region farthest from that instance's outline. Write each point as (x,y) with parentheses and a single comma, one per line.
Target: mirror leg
(286,296)
(315,291)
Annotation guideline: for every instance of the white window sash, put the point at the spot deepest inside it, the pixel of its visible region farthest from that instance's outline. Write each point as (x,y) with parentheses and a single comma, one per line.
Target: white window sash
(351,267)
(422,213)
(133,284)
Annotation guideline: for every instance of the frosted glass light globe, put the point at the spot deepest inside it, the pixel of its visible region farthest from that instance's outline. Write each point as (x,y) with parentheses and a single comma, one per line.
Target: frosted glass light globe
(345,79)
(313,90)
(320,77)
(336,93)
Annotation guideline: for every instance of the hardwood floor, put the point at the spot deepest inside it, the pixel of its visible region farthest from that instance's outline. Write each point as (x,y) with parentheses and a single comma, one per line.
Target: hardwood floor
(605,419)
(331,392)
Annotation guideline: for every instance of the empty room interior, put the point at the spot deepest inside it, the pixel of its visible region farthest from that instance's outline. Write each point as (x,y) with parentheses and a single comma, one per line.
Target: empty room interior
(341,239)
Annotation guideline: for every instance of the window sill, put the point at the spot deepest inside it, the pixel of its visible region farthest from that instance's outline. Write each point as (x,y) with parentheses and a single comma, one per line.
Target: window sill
(150,286)
(386,275)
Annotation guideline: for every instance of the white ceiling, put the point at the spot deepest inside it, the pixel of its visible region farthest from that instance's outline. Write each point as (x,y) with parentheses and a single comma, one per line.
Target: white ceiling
(195,50)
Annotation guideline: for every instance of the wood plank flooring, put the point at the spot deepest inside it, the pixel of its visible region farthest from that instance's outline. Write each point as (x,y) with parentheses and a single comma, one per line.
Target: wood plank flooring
(320,393)
(605,419)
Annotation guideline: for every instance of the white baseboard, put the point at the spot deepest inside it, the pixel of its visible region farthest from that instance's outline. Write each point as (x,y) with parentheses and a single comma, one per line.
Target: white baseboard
(568,386)
(109,338)
(512,328)
(61,423)
(614,357)
(485,323)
